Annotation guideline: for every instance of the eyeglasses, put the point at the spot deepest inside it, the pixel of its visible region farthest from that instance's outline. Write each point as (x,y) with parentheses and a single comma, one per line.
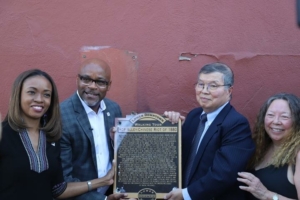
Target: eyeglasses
(87,81)
(210,86)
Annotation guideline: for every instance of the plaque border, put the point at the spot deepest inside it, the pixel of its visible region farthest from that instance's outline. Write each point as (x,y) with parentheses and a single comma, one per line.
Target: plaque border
(158,195)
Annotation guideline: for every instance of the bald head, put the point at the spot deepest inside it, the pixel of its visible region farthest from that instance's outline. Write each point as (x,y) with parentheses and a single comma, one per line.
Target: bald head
(96,62)
(93,82)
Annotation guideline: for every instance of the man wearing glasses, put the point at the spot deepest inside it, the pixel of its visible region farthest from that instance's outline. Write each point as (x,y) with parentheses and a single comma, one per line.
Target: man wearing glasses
(87,116)
(216,140)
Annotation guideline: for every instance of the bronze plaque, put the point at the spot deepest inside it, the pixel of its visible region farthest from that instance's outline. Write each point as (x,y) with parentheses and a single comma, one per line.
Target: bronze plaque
(147,155)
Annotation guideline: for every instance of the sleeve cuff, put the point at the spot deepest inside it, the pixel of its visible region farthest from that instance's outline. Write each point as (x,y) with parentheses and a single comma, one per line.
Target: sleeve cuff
(185,194)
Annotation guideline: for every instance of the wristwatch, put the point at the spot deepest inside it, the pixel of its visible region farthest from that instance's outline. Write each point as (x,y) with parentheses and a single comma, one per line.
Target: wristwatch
(275,197)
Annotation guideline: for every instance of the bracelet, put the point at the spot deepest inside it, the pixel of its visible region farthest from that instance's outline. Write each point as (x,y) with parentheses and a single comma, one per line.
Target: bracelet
(89,184)
(275,197)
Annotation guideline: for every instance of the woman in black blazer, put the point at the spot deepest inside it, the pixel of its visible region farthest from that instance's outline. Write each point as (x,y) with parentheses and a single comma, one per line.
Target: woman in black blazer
(30,166)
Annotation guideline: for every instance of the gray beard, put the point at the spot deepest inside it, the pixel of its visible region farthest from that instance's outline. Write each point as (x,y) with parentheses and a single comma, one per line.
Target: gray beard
(90,104)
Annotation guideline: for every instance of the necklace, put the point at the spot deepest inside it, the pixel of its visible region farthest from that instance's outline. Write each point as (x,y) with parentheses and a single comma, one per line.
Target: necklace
(268,159)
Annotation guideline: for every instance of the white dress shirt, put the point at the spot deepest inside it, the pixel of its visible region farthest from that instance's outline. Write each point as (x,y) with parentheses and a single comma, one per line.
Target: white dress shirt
(101,147)
(210,118)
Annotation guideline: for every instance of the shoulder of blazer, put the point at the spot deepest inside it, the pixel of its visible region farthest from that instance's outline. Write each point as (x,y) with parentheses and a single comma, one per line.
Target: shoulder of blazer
(112,107)
(72,102)
(229,116)
(7,128)
(109,102)
(195,112)
(220,117)
(226,110)
(192,118)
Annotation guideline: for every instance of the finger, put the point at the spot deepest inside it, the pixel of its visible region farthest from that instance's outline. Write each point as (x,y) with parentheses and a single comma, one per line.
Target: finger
(169,195)
(246,175)
(245,188)
(113,129)
(171,115)
(112,132)
(243,180)
(120,195)
(111,172)
(168,113)
(113,164)
(174,117)
(182,117)
(251,177)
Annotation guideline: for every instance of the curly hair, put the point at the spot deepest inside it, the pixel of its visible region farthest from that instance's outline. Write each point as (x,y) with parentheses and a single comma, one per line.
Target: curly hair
(50,123)
(286,154)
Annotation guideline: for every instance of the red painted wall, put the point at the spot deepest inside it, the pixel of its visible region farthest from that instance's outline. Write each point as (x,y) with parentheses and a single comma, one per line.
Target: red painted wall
(258,39)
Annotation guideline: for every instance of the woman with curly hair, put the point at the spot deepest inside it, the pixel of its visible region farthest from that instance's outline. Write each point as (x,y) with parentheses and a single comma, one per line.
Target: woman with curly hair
(276,163)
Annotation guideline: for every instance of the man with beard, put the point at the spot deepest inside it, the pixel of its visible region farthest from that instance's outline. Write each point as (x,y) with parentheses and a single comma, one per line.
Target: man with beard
(87,116)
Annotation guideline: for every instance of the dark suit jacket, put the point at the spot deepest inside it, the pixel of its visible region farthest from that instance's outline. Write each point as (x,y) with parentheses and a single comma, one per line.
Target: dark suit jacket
(77,143)
(224,151)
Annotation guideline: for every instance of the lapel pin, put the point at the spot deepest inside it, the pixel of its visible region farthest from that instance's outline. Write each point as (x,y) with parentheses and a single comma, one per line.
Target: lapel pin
(108,114)
(53,144)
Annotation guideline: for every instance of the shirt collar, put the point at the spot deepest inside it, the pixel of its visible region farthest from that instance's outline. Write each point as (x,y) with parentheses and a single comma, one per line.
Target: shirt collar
(211,116)
(88,110)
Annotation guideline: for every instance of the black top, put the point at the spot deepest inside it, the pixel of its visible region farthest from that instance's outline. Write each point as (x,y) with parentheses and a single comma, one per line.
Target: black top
(26,174)
(275,180)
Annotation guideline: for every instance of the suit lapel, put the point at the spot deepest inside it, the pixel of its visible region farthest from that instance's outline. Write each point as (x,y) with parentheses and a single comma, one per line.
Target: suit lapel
(83,121)
(107,121)
(213,128)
